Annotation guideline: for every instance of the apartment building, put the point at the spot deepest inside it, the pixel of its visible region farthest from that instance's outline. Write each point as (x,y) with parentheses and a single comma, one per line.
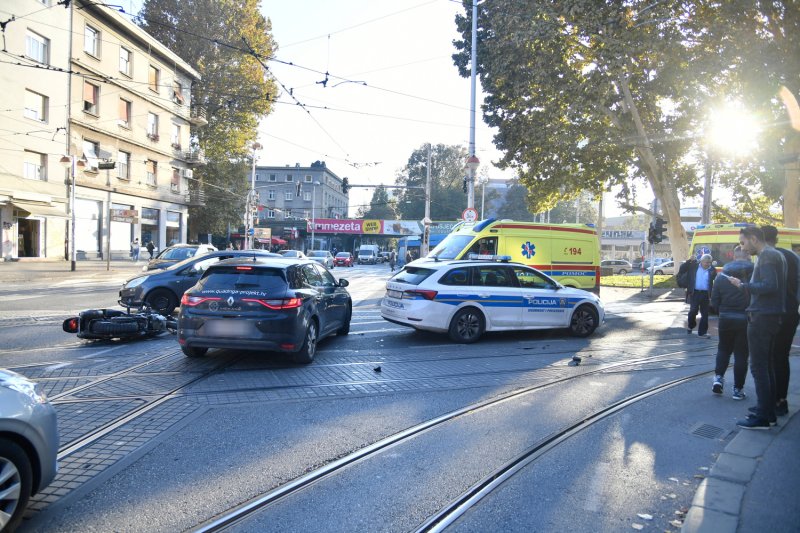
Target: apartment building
(102,104)
(299,193)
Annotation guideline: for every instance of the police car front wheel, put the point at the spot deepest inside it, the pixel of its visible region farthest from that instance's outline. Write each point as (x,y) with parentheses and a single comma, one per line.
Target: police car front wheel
(584,321)
(467,325)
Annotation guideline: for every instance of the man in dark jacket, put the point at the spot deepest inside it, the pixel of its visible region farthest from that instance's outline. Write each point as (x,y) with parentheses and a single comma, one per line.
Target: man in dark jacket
(767,288)
(789,321)
(698,279)
(730,303)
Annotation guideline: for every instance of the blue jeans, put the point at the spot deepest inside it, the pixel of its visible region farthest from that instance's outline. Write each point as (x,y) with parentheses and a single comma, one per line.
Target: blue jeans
(733,340)
(699,302)
(761,333)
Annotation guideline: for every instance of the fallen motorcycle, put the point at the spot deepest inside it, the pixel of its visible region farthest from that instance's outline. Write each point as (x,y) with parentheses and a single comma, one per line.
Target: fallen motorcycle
(107,324)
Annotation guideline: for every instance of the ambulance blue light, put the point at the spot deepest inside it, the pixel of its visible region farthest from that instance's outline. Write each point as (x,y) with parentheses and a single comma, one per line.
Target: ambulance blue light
(480,226)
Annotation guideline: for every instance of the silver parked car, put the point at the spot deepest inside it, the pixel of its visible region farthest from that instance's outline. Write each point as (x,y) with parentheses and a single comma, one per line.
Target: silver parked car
(322,257)
(617,266)
(28,445)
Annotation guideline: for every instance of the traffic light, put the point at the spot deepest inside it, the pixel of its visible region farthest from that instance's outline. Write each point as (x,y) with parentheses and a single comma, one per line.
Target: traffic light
(660,228)
(464,185)
(651,233)
(298,190)
(345,185)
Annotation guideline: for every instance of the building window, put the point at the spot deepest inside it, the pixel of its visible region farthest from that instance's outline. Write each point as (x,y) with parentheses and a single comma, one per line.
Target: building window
(123,168)
(177,92)
(35,106)
(37,47)
(307,196)
(150,169)
(175,184)
(308,178)
(35,166)
(289,178)
(91,41)
(271,195)
(125,113)
(288,196)
(91,151)
(306,213)
(176,137)
(152,126)
(270,213)
(91,97)
(125,56)
(153,78)
(272,177)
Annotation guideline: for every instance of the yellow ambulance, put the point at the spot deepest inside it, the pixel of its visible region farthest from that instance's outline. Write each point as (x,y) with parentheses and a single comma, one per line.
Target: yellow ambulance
(719,240)
(569,253)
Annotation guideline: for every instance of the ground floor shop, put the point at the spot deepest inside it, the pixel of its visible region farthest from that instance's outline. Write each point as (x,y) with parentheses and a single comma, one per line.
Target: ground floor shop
(32,230)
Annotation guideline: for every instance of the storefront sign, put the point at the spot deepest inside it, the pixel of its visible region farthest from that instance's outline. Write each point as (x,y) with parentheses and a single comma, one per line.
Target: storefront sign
(129,216)
(350,226)
(402,227)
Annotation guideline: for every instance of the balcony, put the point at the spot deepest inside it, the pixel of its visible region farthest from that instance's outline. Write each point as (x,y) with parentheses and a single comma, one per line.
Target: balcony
(196,197)
(197,116)
(194,157)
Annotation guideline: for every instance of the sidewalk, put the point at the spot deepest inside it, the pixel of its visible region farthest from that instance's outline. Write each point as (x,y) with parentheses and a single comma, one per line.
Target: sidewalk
(21,271)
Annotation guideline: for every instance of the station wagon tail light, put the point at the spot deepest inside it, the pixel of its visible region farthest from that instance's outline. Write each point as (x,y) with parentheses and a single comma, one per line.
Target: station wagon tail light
(192,301)
(420,294)
(284,303)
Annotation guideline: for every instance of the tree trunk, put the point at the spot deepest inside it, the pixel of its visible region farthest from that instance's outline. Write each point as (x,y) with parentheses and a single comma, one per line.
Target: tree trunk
(791,189)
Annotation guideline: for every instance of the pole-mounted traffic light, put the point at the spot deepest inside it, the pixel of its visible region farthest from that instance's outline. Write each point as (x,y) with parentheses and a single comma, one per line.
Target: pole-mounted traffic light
(298,190)
(660,228)
(651,233)
(345,185)
(464,187)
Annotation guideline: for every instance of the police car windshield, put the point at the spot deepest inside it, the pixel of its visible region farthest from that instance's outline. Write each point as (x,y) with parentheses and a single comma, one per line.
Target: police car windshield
(451,246)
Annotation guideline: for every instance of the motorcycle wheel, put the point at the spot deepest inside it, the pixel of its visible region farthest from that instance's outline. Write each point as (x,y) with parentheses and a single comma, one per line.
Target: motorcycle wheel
(114,328)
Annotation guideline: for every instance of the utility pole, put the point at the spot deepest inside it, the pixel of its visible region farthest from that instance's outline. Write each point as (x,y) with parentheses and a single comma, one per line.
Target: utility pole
(472,161)
(426,234)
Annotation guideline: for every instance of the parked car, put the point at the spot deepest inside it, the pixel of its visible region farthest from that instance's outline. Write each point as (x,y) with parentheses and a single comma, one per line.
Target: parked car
(177,253)
(617,266)
(162,289)
(323,257)
(344,259)
(297,254)
(285,305)
(28,445)
(467,298)
(637,263)
(665,268)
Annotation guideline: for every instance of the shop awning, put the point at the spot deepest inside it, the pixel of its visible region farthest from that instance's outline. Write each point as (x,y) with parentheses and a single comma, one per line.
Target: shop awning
(40,209)
(276,240)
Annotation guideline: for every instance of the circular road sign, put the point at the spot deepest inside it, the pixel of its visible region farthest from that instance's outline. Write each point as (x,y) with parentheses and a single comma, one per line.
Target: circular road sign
(470,214)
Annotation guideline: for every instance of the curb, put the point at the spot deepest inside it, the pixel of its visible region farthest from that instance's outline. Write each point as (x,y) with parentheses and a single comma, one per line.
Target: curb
(717,503)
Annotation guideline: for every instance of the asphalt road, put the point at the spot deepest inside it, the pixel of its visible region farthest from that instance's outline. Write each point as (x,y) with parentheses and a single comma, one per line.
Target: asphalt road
(153,441)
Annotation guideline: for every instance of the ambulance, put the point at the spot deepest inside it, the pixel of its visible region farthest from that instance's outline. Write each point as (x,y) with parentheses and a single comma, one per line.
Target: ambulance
(719,240)
(568,253)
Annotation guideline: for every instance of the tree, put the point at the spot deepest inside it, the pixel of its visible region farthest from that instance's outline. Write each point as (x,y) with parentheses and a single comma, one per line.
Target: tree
(588,94)
(516,207)
(380,206)
(226,41)
(447,172)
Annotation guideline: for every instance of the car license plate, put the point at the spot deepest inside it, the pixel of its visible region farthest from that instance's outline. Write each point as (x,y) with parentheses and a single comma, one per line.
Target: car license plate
(226,328)
(394,294)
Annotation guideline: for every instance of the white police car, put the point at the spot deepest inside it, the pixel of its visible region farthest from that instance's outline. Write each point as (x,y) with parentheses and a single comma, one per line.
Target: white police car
(486,293)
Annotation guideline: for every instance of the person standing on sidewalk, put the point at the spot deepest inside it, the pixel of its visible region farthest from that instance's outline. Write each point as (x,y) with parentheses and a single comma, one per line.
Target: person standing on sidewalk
(730,303)
(699,282)
(767,288)
(135,250)
(790,319)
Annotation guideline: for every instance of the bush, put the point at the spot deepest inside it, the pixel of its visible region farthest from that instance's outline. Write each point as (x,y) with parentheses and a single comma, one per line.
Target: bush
(660,282)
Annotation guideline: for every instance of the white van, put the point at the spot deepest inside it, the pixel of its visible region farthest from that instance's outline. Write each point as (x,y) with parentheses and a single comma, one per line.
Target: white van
(368,254)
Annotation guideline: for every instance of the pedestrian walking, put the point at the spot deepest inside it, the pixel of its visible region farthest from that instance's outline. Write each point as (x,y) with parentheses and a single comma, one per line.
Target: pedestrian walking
(767,289)
(409,257)
(789,321)
(730,303)
(135,250)
(150,248)
(699,282)
(392,260)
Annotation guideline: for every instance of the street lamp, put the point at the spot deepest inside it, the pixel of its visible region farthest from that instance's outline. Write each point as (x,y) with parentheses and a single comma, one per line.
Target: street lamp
(313,214)
(251,202)
(472,165)
(73,164)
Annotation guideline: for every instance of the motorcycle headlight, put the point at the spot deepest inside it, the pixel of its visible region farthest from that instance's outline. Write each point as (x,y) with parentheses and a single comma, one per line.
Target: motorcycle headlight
(135,282)
(25,386)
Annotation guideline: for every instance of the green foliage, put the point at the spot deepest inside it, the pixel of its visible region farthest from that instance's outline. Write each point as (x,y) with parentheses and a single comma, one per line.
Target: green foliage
(516,207)
(380,206)
(659,282)
(235,90)
(447,171)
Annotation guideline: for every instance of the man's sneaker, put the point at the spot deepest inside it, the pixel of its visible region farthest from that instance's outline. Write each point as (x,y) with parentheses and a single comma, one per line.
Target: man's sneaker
(753,408)
(782,408)
(773,422)
(738,394)
(716,388)
(753,423)
(705,336)
(688,331)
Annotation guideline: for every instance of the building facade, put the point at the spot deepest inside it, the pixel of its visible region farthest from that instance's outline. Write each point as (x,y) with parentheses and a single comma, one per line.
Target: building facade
(112,105)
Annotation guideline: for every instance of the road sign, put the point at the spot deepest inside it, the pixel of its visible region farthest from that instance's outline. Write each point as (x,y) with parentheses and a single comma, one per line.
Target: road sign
(470,214)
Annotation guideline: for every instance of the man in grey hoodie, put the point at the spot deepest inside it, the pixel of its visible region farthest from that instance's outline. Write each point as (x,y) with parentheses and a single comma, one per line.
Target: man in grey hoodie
(730,303)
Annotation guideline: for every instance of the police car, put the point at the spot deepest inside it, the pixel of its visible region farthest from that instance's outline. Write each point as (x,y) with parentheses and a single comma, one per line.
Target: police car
(466,298)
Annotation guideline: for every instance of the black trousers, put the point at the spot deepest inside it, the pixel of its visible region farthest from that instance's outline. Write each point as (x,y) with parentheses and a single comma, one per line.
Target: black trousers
(780,355)
(699,302)
(761,333)
(733,340)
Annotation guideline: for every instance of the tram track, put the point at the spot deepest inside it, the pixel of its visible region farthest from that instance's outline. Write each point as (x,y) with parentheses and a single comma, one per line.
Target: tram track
(254,505)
